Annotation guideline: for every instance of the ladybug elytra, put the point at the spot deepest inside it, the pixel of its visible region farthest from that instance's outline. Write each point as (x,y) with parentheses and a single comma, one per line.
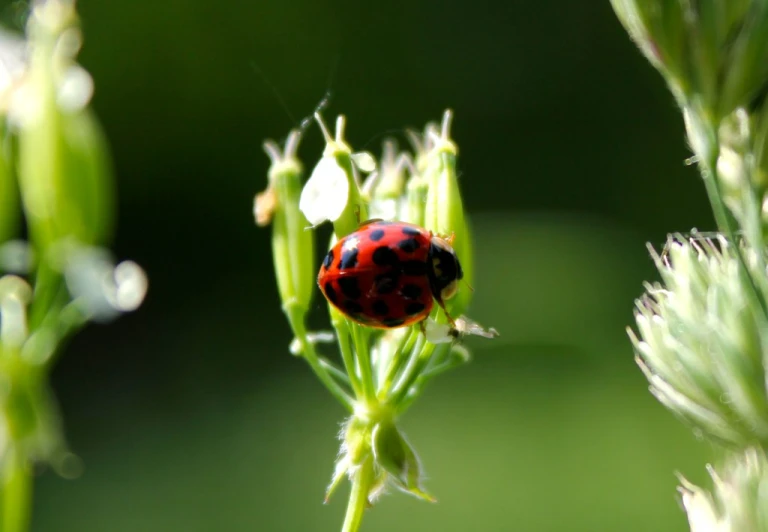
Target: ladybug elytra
(388,274)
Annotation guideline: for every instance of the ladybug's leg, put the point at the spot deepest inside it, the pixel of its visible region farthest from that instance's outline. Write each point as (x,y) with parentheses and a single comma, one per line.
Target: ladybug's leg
(364,222)
(367,222)
(448,238)
(423,327)
(442,306)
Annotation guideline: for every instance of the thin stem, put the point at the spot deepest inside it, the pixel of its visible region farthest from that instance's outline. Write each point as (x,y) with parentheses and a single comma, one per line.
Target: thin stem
(347,356)
(16,494)
(715,194)
(396,363)
(362,350)
(423,376)
(310,355)
(358,498)
(420,357)
(331,368)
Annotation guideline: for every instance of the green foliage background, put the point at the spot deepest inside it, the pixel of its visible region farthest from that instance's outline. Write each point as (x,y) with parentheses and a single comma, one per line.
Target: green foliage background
(191,415)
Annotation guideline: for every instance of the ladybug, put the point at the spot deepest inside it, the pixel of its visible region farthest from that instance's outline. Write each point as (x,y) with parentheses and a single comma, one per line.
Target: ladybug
(388,274)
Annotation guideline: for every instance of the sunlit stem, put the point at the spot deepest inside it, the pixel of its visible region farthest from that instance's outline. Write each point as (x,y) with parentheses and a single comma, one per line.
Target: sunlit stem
(397,361)
(362,350)
(358,498)
(722,217)
(16,501)
(331,368)
(296,320)
(419,357)
(341,326)
(422,377)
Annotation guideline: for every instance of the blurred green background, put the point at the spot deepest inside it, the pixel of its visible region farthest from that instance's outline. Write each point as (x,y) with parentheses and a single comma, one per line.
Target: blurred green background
(191,415)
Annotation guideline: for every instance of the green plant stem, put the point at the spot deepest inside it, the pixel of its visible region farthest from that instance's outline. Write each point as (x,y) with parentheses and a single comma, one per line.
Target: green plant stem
(358,498)
(16,494)
(420,357)
(347,356)
(423,376)
(331,368)
(722,218)
(362,350)
(396,363)
(310,355)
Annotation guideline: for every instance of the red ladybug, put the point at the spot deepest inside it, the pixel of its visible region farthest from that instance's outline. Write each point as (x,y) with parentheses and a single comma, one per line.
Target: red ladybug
(387,274)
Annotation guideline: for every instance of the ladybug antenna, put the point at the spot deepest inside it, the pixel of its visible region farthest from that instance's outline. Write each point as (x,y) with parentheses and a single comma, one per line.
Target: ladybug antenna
(468,285)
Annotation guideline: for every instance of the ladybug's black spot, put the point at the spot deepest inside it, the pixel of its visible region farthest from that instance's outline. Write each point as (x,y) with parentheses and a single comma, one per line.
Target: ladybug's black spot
(409,245)
(349,287)
(348,259)
(377,234)
(385,283)
(414,267)
(384,256)
(411,231)
(330,293)
(411,291)
(414,308)
(328,260)
(353,307)
(393,322)
(380,308)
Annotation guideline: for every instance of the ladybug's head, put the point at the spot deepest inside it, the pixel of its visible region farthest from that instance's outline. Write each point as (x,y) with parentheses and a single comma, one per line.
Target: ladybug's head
(444,269)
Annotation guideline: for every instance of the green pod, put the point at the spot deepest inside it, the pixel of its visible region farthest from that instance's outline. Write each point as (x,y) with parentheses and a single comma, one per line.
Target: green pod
(88,179)
(416,200)
(293,246)
(356,210)
(444,215)
(65,176)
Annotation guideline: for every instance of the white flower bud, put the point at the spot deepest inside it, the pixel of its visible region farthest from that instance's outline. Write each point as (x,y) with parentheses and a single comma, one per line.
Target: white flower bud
(102,289)
(737,502)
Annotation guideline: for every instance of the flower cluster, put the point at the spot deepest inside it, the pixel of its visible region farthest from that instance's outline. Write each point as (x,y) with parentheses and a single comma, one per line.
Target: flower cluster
(55,177)
(702,331)
(700,340)
(383,370)
(738,500)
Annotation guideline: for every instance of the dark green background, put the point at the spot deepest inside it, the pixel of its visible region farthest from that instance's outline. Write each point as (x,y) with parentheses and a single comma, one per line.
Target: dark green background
(190,414)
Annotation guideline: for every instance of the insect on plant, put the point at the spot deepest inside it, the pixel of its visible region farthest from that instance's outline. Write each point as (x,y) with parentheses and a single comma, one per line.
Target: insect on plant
(381,278)
(386,274)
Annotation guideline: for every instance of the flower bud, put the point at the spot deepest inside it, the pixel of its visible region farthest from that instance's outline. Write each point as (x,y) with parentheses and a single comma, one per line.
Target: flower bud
(657,28)
(444,212)
(332,192)
(64,170)
(15,295)
(293,246)
(100,289)
(387,201)
(395,455)
(711,52)
(701,340)
(737,502)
